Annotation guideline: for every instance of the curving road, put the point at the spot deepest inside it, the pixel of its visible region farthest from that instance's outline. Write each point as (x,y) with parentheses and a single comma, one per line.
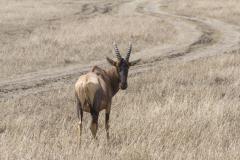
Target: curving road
(197,38)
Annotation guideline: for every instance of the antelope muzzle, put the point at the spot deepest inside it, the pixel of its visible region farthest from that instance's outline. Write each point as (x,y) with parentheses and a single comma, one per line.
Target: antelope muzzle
(123,86)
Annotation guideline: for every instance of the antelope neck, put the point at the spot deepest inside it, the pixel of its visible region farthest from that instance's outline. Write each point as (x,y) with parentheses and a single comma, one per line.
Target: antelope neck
(114,79)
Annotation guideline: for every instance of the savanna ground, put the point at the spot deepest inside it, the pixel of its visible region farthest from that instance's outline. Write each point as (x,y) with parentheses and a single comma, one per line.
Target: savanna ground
(175,109)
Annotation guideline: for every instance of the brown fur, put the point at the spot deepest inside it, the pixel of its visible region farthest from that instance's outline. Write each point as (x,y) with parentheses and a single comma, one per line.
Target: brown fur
(94,92)
(107,83)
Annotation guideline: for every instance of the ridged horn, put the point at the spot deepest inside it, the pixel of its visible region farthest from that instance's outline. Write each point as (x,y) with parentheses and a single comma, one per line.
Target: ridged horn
(119,57)
(129,51)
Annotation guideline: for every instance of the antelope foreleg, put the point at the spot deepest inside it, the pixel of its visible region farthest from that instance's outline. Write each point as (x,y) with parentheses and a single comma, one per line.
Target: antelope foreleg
(79,131)
(107,123)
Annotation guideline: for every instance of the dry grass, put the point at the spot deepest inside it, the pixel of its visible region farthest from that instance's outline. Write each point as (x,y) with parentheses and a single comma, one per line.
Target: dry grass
(227,10)
(176,111)
(55,36)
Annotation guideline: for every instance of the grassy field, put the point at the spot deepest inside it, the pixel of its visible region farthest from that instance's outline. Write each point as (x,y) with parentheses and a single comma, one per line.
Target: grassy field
(52,36)
(176,110)
(188,111)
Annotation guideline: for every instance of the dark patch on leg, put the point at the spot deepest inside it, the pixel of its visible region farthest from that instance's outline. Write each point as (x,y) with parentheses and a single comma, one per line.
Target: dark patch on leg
(94,110)
(107,117)
(97,100)
(94,124)
(94,107)
(107,123)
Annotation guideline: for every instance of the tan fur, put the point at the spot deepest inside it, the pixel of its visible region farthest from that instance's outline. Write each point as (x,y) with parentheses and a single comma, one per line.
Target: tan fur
(94,91)
(85,88)
(97,86)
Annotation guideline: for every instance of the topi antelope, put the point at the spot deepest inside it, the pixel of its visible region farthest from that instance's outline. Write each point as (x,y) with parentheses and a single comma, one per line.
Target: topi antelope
(94,91)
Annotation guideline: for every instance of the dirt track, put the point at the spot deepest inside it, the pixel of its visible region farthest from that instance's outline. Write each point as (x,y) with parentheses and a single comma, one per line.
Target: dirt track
(197,38)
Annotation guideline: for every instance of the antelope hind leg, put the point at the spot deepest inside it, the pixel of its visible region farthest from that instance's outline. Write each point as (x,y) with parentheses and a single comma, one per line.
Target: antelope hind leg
(94,124)
(79,131)
(107,122)
(80,117)
(94,128)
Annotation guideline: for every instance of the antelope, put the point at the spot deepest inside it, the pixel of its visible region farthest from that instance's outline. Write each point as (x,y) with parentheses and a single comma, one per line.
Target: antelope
(94,91)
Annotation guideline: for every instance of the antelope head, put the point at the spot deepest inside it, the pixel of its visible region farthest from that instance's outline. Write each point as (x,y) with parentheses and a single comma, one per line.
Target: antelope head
(122,65)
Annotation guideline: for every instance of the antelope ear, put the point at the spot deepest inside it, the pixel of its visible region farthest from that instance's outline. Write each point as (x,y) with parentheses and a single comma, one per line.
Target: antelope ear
(134,62)
(112,62)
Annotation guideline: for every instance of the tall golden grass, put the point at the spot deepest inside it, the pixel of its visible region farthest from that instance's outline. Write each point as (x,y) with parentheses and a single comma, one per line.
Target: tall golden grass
(187,111)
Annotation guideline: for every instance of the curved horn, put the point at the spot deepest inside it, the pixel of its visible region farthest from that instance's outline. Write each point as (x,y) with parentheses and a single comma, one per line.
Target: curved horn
(119,57)
(129,52)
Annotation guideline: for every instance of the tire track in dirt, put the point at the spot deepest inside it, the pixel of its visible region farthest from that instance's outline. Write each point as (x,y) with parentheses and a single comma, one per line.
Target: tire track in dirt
(197,38)
(218,37)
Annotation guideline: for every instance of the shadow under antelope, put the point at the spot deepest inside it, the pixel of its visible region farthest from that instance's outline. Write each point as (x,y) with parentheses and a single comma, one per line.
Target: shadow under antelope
(94,91)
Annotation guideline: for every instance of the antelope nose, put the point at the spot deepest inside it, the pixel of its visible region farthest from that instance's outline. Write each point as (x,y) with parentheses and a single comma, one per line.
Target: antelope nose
(124,86)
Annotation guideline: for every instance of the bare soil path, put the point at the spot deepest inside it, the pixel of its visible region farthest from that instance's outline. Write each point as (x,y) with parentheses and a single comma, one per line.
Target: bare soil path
(197,38)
